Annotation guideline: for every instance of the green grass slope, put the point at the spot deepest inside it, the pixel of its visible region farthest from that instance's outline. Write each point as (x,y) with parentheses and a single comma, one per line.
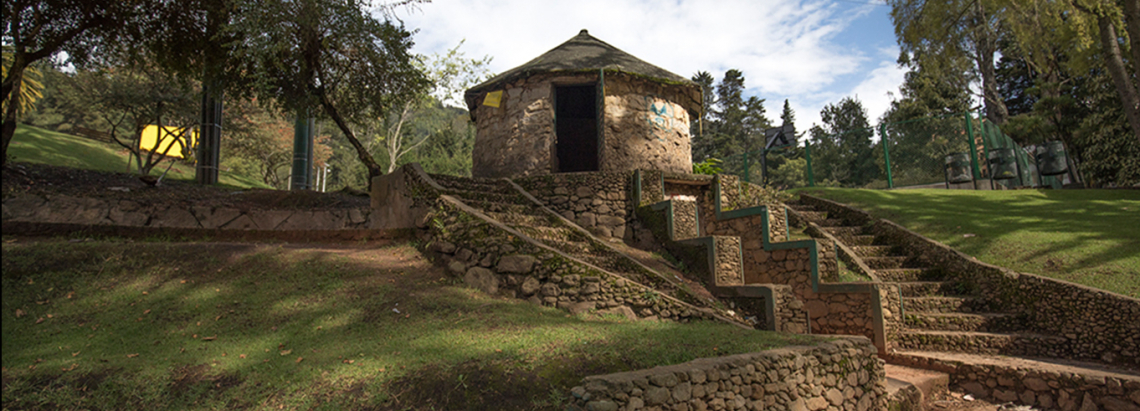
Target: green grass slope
(36,145)
(162,325)
(1089,237)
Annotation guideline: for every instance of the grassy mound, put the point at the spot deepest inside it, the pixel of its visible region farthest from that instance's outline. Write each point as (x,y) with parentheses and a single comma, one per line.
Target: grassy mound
(36,145)
(113,324)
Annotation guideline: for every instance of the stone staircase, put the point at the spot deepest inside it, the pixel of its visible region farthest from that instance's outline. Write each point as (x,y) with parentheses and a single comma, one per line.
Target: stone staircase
(506,202)
(939,312)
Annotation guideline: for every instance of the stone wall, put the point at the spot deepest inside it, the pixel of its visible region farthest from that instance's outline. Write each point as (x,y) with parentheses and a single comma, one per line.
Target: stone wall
(645,127)
(62,209)
(1092,321)
(1095,323)
(499,261)
(1043,386)
(598,202)
(517,138)
(839,375)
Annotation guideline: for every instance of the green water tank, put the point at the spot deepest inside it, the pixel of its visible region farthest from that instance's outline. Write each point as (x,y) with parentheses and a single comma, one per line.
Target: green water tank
(1051,159)
(1002,163)
(957,168)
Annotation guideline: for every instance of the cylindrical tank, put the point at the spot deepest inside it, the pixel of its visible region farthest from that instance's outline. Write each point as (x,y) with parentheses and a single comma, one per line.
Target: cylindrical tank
(957,168)
(1051,159)
(1003,164)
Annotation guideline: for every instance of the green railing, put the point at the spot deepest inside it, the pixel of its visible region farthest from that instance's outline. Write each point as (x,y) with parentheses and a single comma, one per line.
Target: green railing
(913,153)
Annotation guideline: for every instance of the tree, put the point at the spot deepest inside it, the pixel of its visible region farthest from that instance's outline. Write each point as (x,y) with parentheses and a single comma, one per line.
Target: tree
(333,56)
(450,73)
(130,98)
(702,145)
(36,30)
(843,148)
(788,116)
(942,32)
(735,125)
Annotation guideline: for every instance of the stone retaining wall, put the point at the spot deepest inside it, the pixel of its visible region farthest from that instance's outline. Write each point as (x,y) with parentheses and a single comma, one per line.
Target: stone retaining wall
(1097,325)
(598,202)
(1046,389)
(843,374)
(495,260)
(62,209)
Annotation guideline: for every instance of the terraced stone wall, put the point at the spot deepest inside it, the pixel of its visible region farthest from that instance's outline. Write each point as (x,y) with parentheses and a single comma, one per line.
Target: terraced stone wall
(489,257)
(1047,389)
(598,202)
(839,375)
(1097,325)
(62,209)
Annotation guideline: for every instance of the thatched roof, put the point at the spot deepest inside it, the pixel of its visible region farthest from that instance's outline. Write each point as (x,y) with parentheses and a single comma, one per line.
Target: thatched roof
(582,53)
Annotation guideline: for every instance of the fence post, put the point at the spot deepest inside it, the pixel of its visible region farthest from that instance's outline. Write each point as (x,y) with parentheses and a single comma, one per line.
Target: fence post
(807,153)
(973,149)
(886,154)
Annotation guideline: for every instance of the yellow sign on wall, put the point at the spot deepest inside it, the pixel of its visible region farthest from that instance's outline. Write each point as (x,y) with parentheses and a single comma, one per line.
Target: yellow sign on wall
(493,98)
(150,140)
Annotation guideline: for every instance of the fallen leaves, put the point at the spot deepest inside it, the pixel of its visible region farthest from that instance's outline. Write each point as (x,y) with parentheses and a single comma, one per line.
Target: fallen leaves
(132,355)
(210,338)
(20,313)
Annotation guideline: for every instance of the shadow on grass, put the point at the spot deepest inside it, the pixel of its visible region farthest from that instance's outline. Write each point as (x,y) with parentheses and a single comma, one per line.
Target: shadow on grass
(199,325)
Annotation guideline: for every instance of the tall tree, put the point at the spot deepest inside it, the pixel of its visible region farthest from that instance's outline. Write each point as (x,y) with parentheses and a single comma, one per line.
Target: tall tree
(334,56)
(449,73)
(788,116)
(941,31)
(40,29)
(845,142)
(702,146)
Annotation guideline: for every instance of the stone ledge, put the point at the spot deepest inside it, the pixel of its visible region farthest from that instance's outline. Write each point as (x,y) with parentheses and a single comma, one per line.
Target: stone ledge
(843,374)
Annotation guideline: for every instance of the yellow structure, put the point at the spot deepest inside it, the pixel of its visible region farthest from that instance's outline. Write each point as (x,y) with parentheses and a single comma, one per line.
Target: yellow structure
(150,140)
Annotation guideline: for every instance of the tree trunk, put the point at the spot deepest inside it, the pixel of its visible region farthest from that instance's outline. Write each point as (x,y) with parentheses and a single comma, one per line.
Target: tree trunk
(1119,74)
(12,97)
(362,153)
(986,45)
(1132,24)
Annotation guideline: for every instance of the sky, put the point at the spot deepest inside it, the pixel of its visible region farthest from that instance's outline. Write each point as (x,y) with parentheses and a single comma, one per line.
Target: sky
(812,53)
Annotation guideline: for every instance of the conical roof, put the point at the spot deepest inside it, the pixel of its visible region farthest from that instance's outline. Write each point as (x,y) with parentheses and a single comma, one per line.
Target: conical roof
(581,53)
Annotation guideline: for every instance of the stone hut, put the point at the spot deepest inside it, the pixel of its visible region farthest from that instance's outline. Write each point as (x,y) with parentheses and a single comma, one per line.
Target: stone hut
(582,106)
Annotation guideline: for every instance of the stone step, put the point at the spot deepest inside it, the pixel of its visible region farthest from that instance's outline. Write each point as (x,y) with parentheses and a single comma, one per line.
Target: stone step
(858,240)
(906,274)
(473,184)
(489,197)
(531,220)
(910,389)
(844,231)
(928,288)
(880,263)
(550,235)
(865,251)
(943,305)
(832,222)
(1028,344)
(504,208)
(983,322)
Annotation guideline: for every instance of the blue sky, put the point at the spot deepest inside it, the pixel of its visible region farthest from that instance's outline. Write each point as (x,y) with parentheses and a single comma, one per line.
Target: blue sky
(812,53)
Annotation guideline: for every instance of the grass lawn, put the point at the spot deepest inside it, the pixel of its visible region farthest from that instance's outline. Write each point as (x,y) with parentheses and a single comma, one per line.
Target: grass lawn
(116,324)
(1089,237)
(36,145)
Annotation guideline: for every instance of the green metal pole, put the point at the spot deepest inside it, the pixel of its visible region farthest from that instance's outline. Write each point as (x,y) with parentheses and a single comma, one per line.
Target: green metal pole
(807,153)
(302,152)
(973,148)
(886,154)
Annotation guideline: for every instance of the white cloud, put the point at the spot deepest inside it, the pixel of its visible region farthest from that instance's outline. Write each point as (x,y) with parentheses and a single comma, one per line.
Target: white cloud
(785,49)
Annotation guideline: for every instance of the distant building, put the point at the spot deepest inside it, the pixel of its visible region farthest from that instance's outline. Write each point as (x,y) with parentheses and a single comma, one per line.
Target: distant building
(582,106)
